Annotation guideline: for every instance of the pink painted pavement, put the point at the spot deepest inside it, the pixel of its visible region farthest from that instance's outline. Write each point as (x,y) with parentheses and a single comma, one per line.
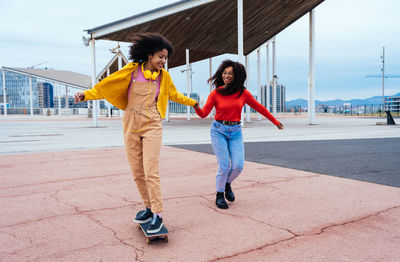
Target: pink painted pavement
(80,205)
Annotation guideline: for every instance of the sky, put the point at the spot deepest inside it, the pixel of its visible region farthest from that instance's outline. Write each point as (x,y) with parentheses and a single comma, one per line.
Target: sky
(349,40)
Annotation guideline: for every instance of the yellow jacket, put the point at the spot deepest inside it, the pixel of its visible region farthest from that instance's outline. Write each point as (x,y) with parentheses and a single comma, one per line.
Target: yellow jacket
(114,89)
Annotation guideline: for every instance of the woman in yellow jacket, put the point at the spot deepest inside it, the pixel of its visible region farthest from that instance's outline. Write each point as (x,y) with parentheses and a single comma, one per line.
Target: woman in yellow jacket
(142,89)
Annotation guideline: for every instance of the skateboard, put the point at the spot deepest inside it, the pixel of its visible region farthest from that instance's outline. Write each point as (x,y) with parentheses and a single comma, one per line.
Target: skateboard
(161,235)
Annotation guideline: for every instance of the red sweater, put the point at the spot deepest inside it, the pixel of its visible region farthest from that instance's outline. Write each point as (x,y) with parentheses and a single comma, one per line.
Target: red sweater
(229,107)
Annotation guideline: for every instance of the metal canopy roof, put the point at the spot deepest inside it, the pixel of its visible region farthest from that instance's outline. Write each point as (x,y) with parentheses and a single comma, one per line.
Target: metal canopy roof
(63,77)
(112,66)
(209,27)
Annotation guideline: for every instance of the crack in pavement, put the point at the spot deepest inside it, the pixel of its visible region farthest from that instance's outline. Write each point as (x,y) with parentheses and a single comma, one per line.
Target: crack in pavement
(255,220)
(281,228)
(115,234)
(54,196)
(123,198)
(81,212)
(62,254)
(122,241)
(323,230)
(254,183)
(33,246)
(355,220)
(76,209)
(25,194)
(254,249)
(64,180)
(9,234)
(190,196)
(278,181)
(98,222)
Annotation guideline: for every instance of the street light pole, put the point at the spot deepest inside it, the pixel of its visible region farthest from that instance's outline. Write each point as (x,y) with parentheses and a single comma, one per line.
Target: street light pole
(95,103)
(383,79)
(4,92)
(188,81)
(240,40)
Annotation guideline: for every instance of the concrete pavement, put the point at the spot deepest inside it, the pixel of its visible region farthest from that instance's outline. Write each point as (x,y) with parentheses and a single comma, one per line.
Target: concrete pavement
(42,133)
(78,203)
(375,160)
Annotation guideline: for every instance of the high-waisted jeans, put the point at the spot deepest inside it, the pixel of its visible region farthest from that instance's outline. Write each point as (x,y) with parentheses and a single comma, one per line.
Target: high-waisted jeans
(227,143)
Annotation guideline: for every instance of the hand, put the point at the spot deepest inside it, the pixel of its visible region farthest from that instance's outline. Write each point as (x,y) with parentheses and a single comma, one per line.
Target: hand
(280,126)
(196,106)
(79,97)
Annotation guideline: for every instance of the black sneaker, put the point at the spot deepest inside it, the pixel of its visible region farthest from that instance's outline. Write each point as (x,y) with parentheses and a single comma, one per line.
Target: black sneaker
(144,216)
(229,193)
(156,225)
(220,201)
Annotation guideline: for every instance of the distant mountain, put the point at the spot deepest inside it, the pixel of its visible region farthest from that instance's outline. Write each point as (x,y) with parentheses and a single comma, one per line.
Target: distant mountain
(297,102)
(375,100)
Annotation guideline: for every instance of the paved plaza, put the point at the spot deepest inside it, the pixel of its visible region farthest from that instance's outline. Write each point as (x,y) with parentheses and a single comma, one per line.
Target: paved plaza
(67,193)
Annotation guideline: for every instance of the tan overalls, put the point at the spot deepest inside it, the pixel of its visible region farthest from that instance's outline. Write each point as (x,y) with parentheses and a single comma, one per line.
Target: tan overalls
(143,135)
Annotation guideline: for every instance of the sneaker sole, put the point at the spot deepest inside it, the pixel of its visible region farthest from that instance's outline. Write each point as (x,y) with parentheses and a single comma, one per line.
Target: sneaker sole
(222,207)
(155,230)
(142,221)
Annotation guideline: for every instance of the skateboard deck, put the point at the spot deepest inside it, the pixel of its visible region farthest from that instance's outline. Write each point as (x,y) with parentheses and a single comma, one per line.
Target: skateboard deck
(161,235)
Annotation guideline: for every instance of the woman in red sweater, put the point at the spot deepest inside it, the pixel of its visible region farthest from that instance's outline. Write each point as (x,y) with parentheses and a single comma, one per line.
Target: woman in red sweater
(229,97)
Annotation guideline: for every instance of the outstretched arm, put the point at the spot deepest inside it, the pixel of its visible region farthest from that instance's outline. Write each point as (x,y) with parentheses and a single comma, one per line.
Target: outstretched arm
(207,107)
(176,96)
(251,101)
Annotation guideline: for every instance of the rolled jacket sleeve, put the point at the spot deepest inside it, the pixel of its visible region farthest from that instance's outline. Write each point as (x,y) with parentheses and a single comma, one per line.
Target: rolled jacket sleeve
(176,96)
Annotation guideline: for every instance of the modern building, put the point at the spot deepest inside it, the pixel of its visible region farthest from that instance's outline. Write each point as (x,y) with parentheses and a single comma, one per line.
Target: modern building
(175,108)
(393,103)
(28,89)
(252,110)
(71,103)
(32,89)
(266,93)
(45,95)
(18,91)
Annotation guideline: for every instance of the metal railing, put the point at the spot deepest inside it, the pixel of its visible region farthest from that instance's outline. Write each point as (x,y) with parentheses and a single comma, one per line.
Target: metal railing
(177,110)
(348,110)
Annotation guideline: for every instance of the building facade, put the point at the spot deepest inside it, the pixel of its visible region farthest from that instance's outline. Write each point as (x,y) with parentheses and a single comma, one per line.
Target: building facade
(17,91)
(44,94)
(266,93)
(175,108)
(393,103)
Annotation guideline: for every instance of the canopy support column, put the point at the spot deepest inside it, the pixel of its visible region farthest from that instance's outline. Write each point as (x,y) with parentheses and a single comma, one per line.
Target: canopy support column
(240,39)
(248,86)
(94,82)
(267,96)
(274,76)
(188,81)
(66,100)
(108,104)
(4,92)
(167,113)
(258,82)
(311,80)
(30,95)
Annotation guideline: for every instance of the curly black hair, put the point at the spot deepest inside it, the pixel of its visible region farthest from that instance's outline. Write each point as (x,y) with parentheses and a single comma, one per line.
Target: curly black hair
(146,44)
(239,74)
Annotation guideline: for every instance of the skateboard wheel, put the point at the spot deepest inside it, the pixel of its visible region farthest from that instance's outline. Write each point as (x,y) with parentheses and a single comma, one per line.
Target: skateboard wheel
(148,241)
(166,239)
(138,227)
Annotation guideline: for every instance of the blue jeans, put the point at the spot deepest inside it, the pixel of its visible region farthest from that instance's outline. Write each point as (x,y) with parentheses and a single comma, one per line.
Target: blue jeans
(227,143)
